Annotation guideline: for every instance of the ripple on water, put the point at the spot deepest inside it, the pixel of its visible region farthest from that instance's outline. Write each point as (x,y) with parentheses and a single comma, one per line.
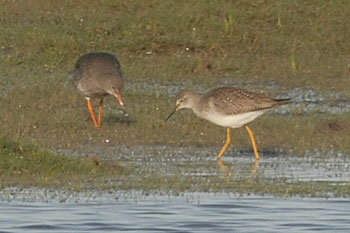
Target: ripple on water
(192,212)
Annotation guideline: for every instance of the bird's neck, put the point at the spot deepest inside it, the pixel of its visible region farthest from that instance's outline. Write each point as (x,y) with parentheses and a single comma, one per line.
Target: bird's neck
(195,102)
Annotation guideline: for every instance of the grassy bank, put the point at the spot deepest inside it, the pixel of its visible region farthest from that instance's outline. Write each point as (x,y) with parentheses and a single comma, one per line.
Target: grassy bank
(26,165)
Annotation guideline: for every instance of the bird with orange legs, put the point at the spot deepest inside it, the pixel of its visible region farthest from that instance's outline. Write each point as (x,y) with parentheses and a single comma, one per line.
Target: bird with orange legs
(96,76)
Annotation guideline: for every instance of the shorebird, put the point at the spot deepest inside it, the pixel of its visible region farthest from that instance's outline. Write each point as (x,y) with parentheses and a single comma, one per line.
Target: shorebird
(96,76)
(229,107)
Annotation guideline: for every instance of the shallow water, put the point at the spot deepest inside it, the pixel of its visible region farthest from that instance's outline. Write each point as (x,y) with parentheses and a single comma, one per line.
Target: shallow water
(195,169)
(192,212)
(193,161)
(238,164)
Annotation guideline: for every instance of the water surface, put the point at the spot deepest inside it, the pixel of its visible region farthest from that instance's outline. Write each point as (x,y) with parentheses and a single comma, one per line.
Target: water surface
(193,212)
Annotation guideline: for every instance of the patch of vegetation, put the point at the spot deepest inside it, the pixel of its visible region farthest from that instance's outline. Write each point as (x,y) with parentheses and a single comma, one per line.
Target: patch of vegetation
(296,43)
(26,165)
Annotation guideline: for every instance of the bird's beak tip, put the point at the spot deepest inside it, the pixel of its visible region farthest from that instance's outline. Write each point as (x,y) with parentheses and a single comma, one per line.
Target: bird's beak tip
(171,114)
(120,100)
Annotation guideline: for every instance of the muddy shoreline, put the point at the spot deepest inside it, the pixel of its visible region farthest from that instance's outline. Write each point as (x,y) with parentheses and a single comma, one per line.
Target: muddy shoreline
(47,195)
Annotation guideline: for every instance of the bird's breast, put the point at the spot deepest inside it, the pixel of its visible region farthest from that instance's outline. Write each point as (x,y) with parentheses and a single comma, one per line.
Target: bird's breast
(231,121)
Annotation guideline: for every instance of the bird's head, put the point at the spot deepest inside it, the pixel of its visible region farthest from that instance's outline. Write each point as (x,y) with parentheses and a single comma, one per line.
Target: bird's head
(184,99)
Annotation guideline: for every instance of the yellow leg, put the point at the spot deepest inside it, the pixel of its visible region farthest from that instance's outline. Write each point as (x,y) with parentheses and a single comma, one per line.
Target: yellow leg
(91,110)
(225,169)
(254,167)
(251,135)
(228,141)
(100,113)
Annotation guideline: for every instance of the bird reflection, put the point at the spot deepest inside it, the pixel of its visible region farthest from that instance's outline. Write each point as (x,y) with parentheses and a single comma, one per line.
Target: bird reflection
(225,169)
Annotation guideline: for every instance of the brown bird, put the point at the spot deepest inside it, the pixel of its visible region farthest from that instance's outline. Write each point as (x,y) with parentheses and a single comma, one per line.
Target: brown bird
(230,107)
(97,75)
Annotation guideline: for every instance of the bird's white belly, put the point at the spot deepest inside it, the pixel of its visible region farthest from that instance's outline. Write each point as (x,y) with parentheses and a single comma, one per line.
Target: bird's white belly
(232,121)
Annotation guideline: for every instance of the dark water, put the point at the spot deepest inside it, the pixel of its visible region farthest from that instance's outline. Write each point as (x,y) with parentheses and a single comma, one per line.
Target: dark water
(196,212)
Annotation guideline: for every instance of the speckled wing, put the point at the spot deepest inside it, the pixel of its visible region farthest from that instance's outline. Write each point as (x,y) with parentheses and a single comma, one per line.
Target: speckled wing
(232,100)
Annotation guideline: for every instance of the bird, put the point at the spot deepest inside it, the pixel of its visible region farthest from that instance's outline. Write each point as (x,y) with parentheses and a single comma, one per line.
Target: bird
(97,75)
(230,107)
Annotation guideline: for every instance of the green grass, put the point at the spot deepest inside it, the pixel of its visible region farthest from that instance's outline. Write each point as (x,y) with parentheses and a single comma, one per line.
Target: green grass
(296,43)
(59,118)
(26,165)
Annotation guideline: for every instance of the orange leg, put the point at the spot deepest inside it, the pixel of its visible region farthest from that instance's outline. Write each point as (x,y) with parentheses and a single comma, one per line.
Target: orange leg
(91,110)
(100,112)
(228,141)
(251,135)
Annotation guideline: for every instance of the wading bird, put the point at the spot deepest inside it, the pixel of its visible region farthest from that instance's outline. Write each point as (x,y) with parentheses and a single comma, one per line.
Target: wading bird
(229,107)
(96,76)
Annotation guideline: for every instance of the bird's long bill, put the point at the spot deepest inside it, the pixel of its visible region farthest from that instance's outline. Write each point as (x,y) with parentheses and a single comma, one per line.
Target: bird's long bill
(119,98)
(171,114)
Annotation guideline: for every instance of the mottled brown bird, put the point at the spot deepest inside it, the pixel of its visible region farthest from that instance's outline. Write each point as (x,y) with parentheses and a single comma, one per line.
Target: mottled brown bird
(230,107)
(96,76)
